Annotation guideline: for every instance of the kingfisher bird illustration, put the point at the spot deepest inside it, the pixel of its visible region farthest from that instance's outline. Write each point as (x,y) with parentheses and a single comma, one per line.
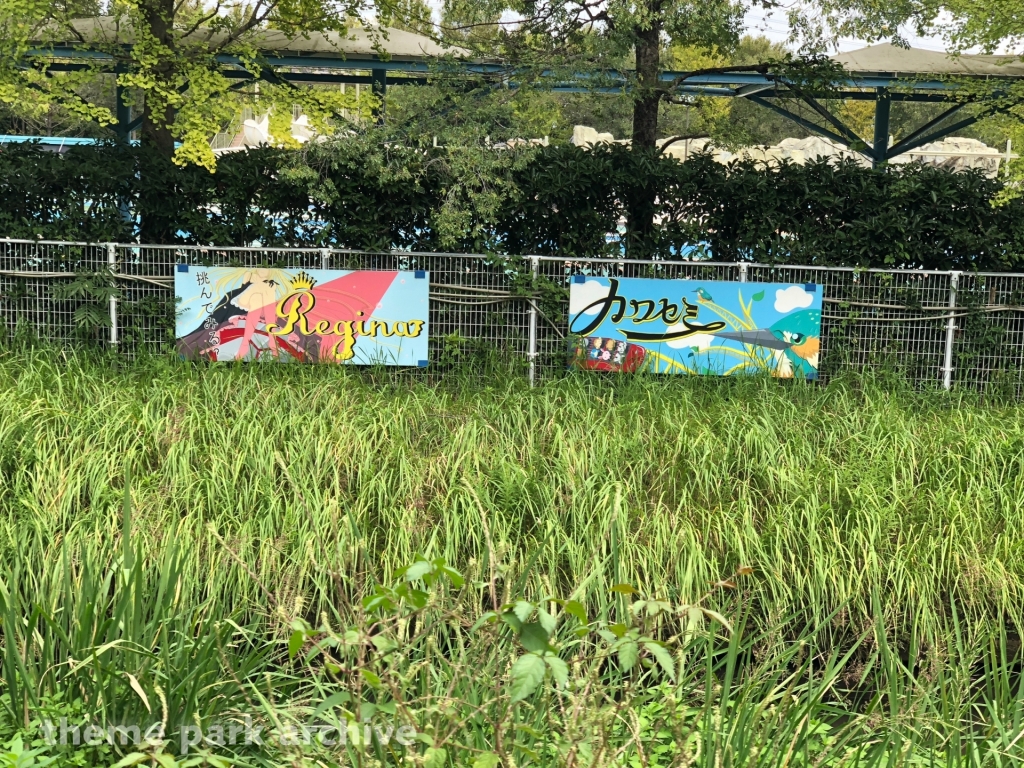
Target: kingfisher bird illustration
(801,332)
(703,295)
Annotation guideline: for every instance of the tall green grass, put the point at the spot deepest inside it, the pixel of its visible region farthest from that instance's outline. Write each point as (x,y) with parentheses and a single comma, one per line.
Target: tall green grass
(883,527)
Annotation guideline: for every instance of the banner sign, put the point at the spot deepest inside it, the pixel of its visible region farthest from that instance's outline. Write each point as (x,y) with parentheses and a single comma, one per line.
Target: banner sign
(316,315)
(695,326)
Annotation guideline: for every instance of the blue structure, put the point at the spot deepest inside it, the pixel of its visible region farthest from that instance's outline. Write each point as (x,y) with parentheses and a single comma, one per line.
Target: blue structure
(882,73)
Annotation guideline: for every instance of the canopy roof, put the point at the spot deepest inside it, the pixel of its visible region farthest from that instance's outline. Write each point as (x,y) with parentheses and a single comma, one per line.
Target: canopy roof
(359,43)
(891,59)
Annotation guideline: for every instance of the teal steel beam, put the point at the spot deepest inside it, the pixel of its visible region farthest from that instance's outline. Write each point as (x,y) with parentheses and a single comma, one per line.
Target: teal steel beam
(379,85)
(906,146)
(852,140)
(124,114)
(813,127)
(874,80)
(880,144)
(911,141)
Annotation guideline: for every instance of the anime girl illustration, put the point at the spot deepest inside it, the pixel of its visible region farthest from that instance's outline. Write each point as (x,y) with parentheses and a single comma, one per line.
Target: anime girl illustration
(605,354)
(241,304)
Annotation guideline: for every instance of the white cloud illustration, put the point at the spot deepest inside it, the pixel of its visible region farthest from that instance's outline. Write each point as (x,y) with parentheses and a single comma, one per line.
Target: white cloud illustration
(583,295)
(794,297)
(699,340)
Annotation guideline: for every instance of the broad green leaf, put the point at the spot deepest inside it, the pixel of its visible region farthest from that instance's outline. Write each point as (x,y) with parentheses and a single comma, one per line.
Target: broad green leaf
(487,760)
(295,643)
(577,610)
(454,577)
(559,669)
(624,589)
(418,570)
(628,651)
(131,759)
(435,757)
(527,673)
(533,637)
(663,657)
(523,610)
(546,620)
(758,296)
(370,677)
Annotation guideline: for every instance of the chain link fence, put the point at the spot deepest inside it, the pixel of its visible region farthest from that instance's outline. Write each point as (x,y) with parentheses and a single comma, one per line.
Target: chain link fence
(937,328)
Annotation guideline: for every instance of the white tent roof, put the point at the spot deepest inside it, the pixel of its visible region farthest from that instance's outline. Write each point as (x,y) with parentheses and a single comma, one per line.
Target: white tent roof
(889,58)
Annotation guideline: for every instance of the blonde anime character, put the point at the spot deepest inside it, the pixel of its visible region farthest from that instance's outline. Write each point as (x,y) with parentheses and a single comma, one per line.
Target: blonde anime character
(243,302)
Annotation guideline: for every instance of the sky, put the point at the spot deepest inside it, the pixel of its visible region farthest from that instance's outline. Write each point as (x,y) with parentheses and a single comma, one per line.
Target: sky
(774,25)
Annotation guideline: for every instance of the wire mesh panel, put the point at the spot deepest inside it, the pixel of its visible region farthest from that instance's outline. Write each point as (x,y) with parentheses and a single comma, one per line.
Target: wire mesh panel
(933,326)
(42,285)
(874,318)
(472,309)
(988,343)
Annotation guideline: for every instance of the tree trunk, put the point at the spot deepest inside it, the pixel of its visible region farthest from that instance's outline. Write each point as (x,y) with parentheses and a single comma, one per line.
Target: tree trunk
(158,18)
(647,100)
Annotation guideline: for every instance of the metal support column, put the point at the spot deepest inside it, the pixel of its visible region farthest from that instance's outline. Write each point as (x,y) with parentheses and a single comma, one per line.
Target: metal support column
(880,145)
(325,258)
(112,266)
(743,271)
(124,114)
(947,362)
(531,352)
(379,86)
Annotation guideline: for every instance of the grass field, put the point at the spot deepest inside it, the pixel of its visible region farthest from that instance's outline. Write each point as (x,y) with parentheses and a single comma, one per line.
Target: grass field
(593,573)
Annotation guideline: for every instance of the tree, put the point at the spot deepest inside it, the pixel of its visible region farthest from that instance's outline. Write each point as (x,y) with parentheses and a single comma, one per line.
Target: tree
(170,69)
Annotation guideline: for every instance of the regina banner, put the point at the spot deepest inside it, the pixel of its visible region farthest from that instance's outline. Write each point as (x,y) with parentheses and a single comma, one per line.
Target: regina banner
(316,315)
(695,326)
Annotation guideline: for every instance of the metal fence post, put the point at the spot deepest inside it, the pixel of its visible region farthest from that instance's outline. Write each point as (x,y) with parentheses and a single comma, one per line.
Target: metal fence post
(947,363)
(531,352)
(325,258)
(743,271)
(112,266)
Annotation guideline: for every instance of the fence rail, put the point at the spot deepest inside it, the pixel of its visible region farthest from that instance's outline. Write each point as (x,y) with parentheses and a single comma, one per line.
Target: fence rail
(939,328)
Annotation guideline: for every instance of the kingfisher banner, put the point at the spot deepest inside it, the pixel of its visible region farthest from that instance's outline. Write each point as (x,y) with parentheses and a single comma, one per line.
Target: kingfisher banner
(695,326)
(315,315)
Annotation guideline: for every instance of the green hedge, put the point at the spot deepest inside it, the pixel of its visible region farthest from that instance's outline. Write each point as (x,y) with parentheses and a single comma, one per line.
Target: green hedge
(559,201)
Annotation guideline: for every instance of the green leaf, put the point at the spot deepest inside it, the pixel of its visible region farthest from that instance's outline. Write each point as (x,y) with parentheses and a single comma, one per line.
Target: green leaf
(487,618)
(418,570)
(131,759)
(486,760)
(370,678)
(546,620)
(295,642)
(663,657)
(454,577)
(523,610)
(527,673)
(577,610)
(435,757)
(718,617)
(624,589)
(758,296)
(629,651)
(332,701)
(559,669)
(533,637)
